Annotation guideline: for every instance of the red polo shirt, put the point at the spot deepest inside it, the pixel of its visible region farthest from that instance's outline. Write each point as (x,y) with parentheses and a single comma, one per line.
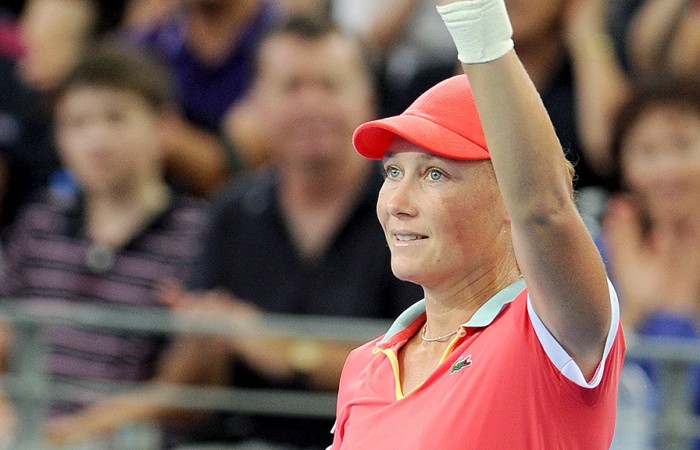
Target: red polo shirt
(504,383)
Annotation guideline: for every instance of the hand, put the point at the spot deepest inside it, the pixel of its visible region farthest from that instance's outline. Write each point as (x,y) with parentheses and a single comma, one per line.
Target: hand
(205,306)
(67,430)
(583,19)
(212,302)
(8,423)
(654,271)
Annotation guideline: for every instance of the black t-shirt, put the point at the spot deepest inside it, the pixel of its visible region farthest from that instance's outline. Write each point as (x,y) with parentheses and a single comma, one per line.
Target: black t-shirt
(248,251)
(26,142)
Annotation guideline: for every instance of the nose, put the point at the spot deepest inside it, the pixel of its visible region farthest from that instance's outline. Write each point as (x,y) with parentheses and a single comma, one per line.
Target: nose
(399,197)
(313,95)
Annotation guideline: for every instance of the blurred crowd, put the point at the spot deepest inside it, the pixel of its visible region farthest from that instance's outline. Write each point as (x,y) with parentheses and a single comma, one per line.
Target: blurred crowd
(196,156)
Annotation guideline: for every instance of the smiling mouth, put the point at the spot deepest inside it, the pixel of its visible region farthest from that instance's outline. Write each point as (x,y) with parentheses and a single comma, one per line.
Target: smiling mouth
(409,237)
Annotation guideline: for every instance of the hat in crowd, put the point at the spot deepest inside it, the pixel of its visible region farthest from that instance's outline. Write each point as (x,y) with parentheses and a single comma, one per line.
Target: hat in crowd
(443,120)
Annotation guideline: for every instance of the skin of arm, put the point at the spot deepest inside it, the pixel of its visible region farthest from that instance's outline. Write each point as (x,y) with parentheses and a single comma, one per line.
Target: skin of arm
(559,260)
(264,350)
(148,405)
(600,83)
(320,362)
(194,155)
(390,22)
(648,272)
(652,23)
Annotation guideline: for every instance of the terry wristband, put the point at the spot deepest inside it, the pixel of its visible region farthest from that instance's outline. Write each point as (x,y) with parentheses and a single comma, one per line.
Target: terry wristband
(480,29)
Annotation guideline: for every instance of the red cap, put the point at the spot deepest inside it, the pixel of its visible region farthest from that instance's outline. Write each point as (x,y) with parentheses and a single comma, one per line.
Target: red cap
(443,120)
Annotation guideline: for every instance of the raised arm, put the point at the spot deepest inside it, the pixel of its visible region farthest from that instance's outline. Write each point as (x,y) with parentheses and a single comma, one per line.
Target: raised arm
(559,261)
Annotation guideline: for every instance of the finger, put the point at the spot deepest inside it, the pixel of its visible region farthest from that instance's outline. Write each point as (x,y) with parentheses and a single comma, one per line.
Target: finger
(623,229)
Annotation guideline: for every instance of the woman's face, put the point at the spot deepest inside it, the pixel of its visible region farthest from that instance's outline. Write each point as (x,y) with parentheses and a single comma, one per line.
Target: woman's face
(661,160)
(443,219)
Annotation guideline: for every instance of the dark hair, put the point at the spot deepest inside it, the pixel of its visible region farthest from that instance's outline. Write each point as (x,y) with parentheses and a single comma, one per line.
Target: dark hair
(116,66)
(110,14)
(663,91)
(313,28)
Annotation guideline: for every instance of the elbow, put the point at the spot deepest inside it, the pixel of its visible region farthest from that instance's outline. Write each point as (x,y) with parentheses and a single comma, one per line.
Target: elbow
(545,214)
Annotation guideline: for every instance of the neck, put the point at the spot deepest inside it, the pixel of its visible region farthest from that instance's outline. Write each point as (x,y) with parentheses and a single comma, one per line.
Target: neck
(447,309)
(214,28)
(325,186)
(112,218)
(316,207)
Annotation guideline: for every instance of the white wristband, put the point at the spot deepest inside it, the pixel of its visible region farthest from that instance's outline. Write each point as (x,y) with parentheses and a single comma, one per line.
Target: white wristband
(480,29)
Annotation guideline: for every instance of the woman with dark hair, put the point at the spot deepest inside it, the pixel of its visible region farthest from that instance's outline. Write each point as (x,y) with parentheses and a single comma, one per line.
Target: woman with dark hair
(651,231)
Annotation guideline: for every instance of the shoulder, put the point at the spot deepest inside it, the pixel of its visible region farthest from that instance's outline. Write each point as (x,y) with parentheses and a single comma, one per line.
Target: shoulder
(47,211)
(359,358)
(188,211)
(249,194)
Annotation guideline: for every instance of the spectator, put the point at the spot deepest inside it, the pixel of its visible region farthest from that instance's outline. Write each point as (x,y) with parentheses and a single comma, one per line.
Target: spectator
(301,236)
(124,234)
(209,46)
(548,37)
(141,14)
(316,8)
(10,44)
(652,228)
(410,40)
(664,36)
(52,33)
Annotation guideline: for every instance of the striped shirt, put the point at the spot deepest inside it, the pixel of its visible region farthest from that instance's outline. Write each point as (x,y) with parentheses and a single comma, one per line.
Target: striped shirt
(50,262)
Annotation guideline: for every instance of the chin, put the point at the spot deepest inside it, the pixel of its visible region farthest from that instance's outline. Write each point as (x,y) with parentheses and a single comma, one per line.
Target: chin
(405,273)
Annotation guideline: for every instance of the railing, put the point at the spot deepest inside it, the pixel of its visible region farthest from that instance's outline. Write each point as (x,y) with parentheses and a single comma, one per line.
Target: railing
(672,427)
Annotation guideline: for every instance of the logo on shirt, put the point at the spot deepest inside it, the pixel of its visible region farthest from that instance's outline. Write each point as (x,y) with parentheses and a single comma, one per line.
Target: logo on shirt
(461,363)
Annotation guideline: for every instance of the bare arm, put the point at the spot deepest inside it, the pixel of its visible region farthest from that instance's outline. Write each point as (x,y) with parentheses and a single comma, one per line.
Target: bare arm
(191,360)
(262,348)
(560,263)
(652,26)
(390,23)
(601,84)
(194,155)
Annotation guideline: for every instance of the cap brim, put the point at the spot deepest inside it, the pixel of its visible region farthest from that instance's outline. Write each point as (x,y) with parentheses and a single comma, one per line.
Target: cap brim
(372,139)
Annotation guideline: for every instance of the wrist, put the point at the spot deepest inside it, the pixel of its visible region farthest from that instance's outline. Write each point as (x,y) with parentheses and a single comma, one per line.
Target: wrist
(597,45)
(305,356)
(480,29)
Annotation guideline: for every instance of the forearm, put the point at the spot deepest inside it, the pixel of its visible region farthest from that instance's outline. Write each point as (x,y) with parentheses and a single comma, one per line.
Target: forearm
(652,24)
(199,158)
(391,22)
(191,360)
(104,418)
(563,270)
(601,88)
(525,151)
(318,362)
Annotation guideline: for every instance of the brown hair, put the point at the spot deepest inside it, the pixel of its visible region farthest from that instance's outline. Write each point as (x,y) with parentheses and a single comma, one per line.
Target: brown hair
(645,94)
(115,66)
(312,28)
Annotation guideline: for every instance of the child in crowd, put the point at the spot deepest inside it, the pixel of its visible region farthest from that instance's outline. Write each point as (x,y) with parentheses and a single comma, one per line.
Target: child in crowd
(110,247)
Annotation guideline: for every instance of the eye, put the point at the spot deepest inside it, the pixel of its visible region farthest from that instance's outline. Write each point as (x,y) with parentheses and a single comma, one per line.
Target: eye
(115,115)
(392,172)
(435,174)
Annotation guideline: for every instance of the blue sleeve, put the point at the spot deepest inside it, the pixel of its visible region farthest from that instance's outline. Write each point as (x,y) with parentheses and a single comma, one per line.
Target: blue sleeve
(669,324)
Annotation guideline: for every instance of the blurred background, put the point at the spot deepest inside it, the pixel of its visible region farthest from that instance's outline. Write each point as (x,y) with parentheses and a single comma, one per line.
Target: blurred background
(180,204)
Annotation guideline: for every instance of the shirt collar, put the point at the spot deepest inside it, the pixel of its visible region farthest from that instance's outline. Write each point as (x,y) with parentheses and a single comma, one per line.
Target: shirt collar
(481,318)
